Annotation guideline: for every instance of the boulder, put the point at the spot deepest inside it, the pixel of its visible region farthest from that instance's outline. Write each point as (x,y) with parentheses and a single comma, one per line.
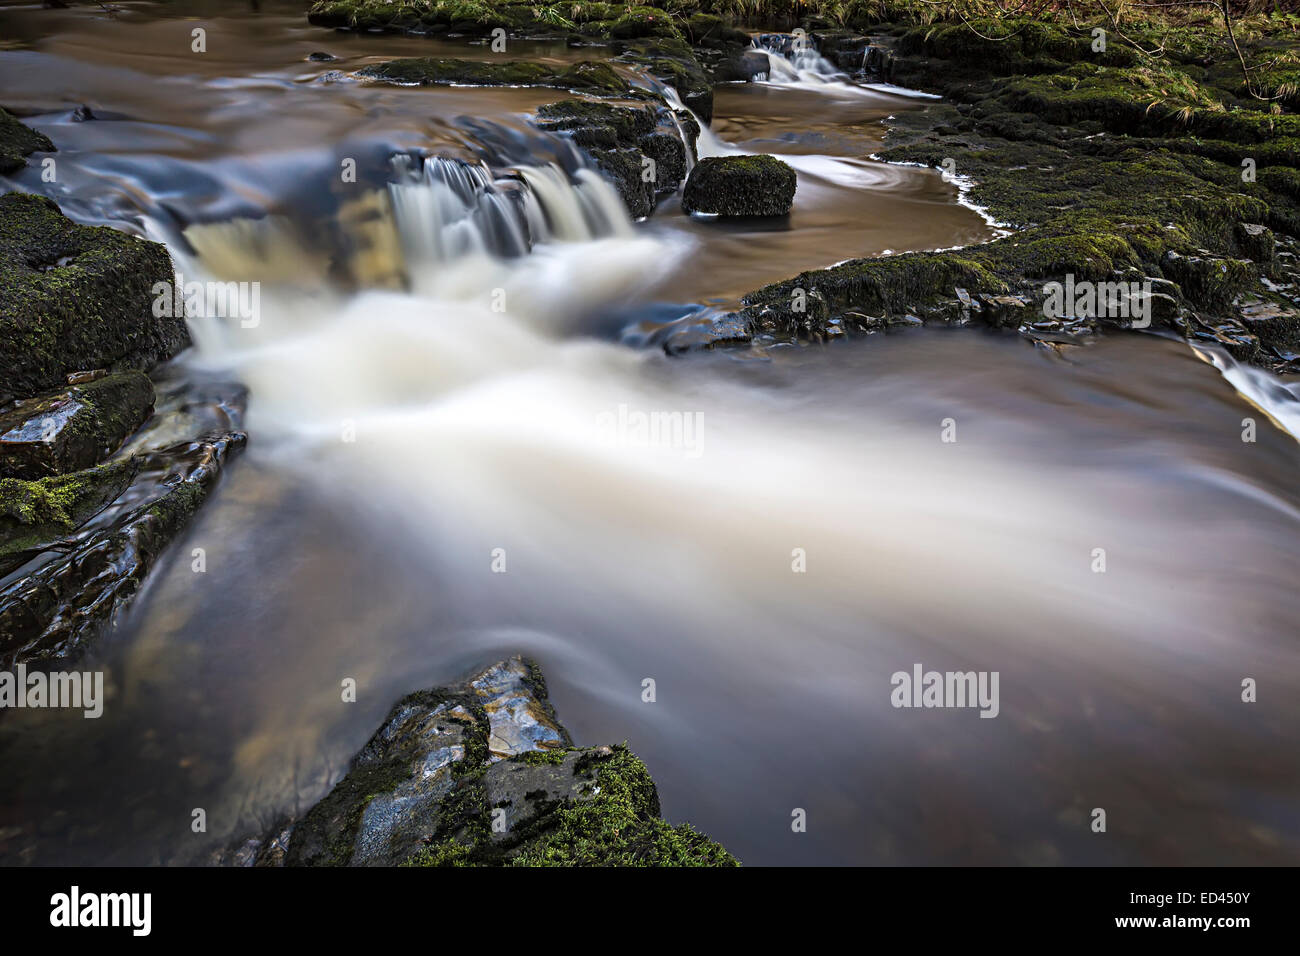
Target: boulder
(740,186)
(587,76)
(76,297)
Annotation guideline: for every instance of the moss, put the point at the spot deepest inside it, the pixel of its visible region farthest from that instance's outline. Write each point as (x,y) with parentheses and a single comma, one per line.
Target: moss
(616,823)
(75,297)
(34,514)
(625,124)
(587,76)
(740,186)
(17,141)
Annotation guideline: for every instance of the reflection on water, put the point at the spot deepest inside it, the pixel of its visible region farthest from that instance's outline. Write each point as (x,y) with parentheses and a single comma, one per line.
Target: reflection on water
(627,558)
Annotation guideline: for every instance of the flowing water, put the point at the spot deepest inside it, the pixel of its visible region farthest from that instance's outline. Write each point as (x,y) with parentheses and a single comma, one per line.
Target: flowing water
(446,465)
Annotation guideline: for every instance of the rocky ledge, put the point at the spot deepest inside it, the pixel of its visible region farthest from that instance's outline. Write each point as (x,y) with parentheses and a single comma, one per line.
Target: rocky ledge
(482,774)
(641,149)
(93,483)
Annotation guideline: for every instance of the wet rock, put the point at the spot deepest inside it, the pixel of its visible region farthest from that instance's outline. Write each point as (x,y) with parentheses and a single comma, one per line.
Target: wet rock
(621,138)
(76,297)
(50,616)
(1256,241)
(36,515)
(709,30)
(1274,323)
(321,57)
(72,429)
(17,141)
(1207,281)
(740,186)
(481,773)
(672,61)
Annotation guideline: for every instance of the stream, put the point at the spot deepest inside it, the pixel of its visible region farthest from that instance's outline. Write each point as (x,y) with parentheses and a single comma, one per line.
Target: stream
(432,482)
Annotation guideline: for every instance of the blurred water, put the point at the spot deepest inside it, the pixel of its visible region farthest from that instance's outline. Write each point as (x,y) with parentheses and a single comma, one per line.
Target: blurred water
(406,439)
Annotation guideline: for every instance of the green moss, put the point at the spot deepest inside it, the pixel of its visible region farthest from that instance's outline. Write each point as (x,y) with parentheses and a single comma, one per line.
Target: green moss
(740,186)
(587,76)
(616,823)
(34,514)
(75,297)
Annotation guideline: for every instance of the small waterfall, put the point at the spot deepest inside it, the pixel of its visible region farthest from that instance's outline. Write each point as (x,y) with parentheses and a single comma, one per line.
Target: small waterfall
(708,143)
(447,210)
(793,61)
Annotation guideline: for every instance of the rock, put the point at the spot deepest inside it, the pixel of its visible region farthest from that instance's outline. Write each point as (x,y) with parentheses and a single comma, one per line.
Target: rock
(17,141)
(1276,325)
(671,61)
(72,429)
(620,138)
(51,616)
(481,773)
(740,186)
(584,77)
(37,514)
(1206,281)
(76,297)
(1256,241)
(320,56)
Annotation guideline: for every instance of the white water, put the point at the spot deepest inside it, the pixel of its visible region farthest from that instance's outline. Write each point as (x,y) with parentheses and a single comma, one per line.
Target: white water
(482,422)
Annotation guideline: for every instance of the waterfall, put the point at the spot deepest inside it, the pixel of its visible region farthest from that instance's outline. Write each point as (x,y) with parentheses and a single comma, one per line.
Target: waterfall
(794,62)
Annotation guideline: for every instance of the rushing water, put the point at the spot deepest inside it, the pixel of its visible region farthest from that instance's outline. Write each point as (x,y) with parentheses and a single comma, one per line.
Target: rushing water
(404,428)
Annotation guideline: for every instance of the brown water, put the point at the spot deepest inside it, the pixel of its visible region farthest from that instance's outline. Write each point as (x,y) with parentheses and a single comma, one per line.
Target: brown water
(478,430)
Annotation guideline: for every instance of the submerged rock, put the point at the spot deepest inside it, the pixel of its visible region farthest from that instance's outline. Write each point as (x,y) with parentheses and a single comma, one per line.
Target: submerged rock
(740,186)
(76,297)
(74,428)
(482,773)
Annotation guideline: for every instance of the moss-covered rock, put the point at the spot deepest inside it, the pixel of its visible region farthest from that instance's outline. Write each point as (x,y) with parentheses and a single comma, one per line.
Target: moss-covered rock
(586,77)
(740,186)
(74,428)
(76,297)
(17,141)
(620,140)
(36,514)
(482,774)
(51,616)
